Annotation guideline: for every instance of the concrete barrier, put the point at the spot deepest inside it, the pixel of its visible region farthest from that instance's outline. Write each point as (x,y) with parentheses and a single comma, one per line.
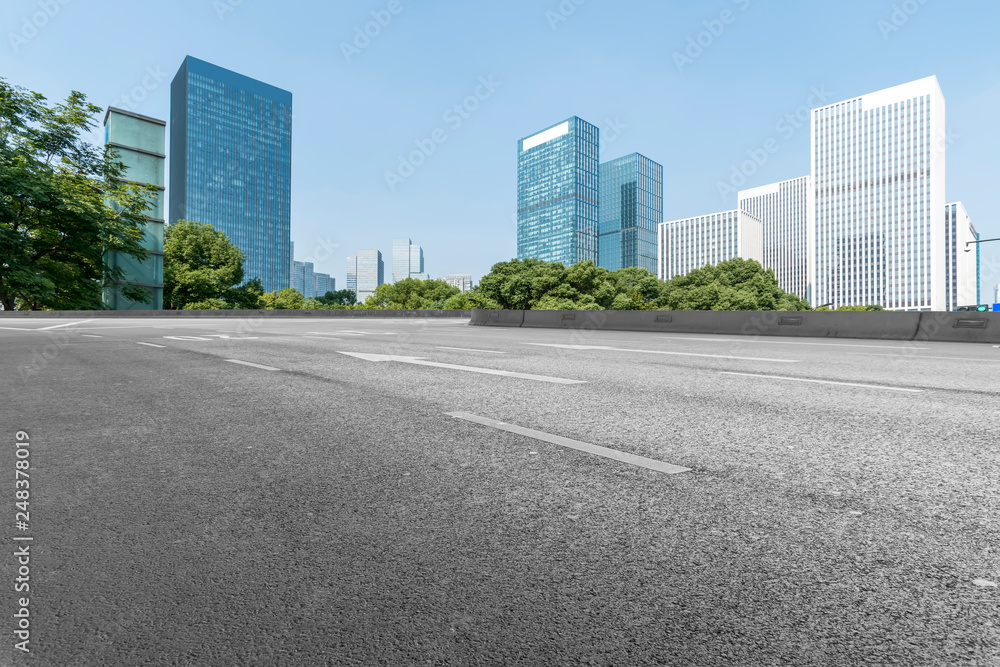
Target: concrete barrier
(945,327)
(348,314)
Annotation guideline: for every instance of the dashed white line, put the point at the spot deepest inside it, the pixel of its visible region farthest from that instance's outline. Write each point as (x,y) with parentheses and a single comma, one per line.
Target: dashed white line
(468,349)
(91,336)
(676,354)
(148,344)
(322,337)
(597,450)
(247,363)
(67,324)
(845,384)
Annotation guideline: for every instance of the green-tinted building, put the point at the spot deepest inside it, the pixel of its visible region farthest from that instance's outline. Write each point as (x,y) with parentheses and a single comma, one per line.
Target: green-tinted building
(141,142)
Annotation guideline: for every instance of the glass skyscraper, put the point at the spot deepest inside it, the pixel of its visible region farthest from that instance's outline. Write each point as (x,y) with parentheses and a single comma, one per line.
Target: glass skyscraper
(231,163)
(407,261)
(370,272)
(140,142)
(631,209)
(557,193)
(352,274)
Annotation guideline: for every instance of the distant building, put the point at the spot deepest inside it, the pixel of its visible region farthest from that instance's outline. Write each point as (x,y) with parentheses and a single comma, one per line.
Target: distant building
(231,163)
(291,264)
(692,243)
(323,284)
(352,274)
(557,193)
(303,278)
(878,167)
(787,217)
(996,294)
(370,273)
(961,267)
(407,261)
(631,208)
(462,281)
(140,142)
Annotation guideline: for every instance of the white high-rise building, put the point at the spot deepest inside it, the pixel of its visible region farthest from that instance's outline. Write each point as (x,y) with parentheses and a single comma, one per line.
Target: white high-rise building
(692,243)
(462,281)
(370,272)
(352,274)
(878,164)
(996,294)
(787,214)
(407,261)
(961,268)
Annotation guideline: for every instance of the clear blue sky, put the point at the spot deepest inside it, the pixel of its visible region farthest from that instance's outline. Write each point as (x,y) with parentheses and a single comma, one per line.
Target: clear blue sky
(611,63)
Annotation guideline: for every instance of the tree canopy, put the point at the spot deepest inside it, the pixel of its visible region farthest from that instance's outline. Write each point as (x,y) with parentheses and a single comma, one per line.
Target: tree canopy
(411,294)
(201,268)
(63,206)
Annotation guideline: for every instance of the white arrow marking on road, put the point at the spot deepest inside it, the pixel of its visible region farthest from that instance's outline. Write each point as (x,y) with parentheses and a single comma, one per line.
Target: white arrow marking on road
(419,361)
(677,354)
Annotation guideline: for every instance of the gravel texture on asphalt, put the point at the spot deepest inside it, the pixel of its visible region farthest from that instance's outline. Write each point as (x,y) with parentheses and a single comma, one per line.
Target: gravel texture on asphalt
(189,511)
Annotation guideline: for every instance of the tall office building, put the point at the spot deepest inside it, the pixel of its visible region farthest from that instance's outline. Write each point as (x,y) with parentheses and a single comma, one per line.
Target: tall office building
(878,164)
(631,208)
(370,272)
(996,294)
(407,261)
(462,281)
(961,267)
(692,243)
(557,193)
(291,263)
(140,142)
(323,284)
(230,163)
(352,274)
(786,212)
(304,278)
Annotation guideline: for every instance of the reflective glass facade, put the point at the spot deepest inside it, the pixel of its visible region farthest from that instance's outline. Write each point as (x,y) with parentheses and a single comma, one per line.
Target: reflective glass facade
(352,274)
(140,142)
(231,159)
(557,193)
(370,272)
(878,164)
(407,261)
(631,209)
(304,278)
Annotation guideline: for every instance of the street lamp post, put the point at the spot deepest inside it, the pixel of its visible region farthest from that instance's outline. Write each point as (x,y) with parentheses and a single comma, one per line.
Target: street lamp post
(968,249)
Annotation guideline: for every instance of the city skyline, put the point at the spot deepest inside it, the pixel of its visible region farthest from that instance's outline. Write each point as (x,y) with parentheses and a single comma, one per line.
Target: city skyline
(660,96)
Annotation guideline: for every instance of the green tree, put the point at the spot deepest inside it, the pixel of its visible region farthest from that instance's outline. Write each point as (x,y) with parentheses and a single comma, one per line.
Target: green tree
(735,284)
(200,266)
(411,294)
(344,297)
(62,206)
(286,299)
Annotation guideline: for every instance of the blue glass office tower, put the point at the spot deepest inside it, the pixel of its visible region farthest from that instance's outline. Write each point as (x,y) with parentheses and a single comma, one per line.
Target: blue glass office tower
(631,196)
(231,163)
(557,193)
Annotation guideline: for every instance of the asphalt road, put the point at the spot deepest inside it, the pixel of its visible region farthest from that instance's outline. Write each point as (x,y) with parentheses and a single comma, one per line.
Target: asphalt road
(319,508)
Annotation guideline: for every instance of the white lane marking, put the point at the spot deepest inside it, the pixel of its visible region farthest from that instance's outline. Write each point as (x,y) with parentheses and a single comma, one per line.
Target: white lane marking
(678,354)
(750,339)
(17,329)
(419,361)
(247,363)
(335,333)
(322,337)
(68,324)
(918,357)
(91,336)
(845,384)
(614,454)
(148,344)
(468,349)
